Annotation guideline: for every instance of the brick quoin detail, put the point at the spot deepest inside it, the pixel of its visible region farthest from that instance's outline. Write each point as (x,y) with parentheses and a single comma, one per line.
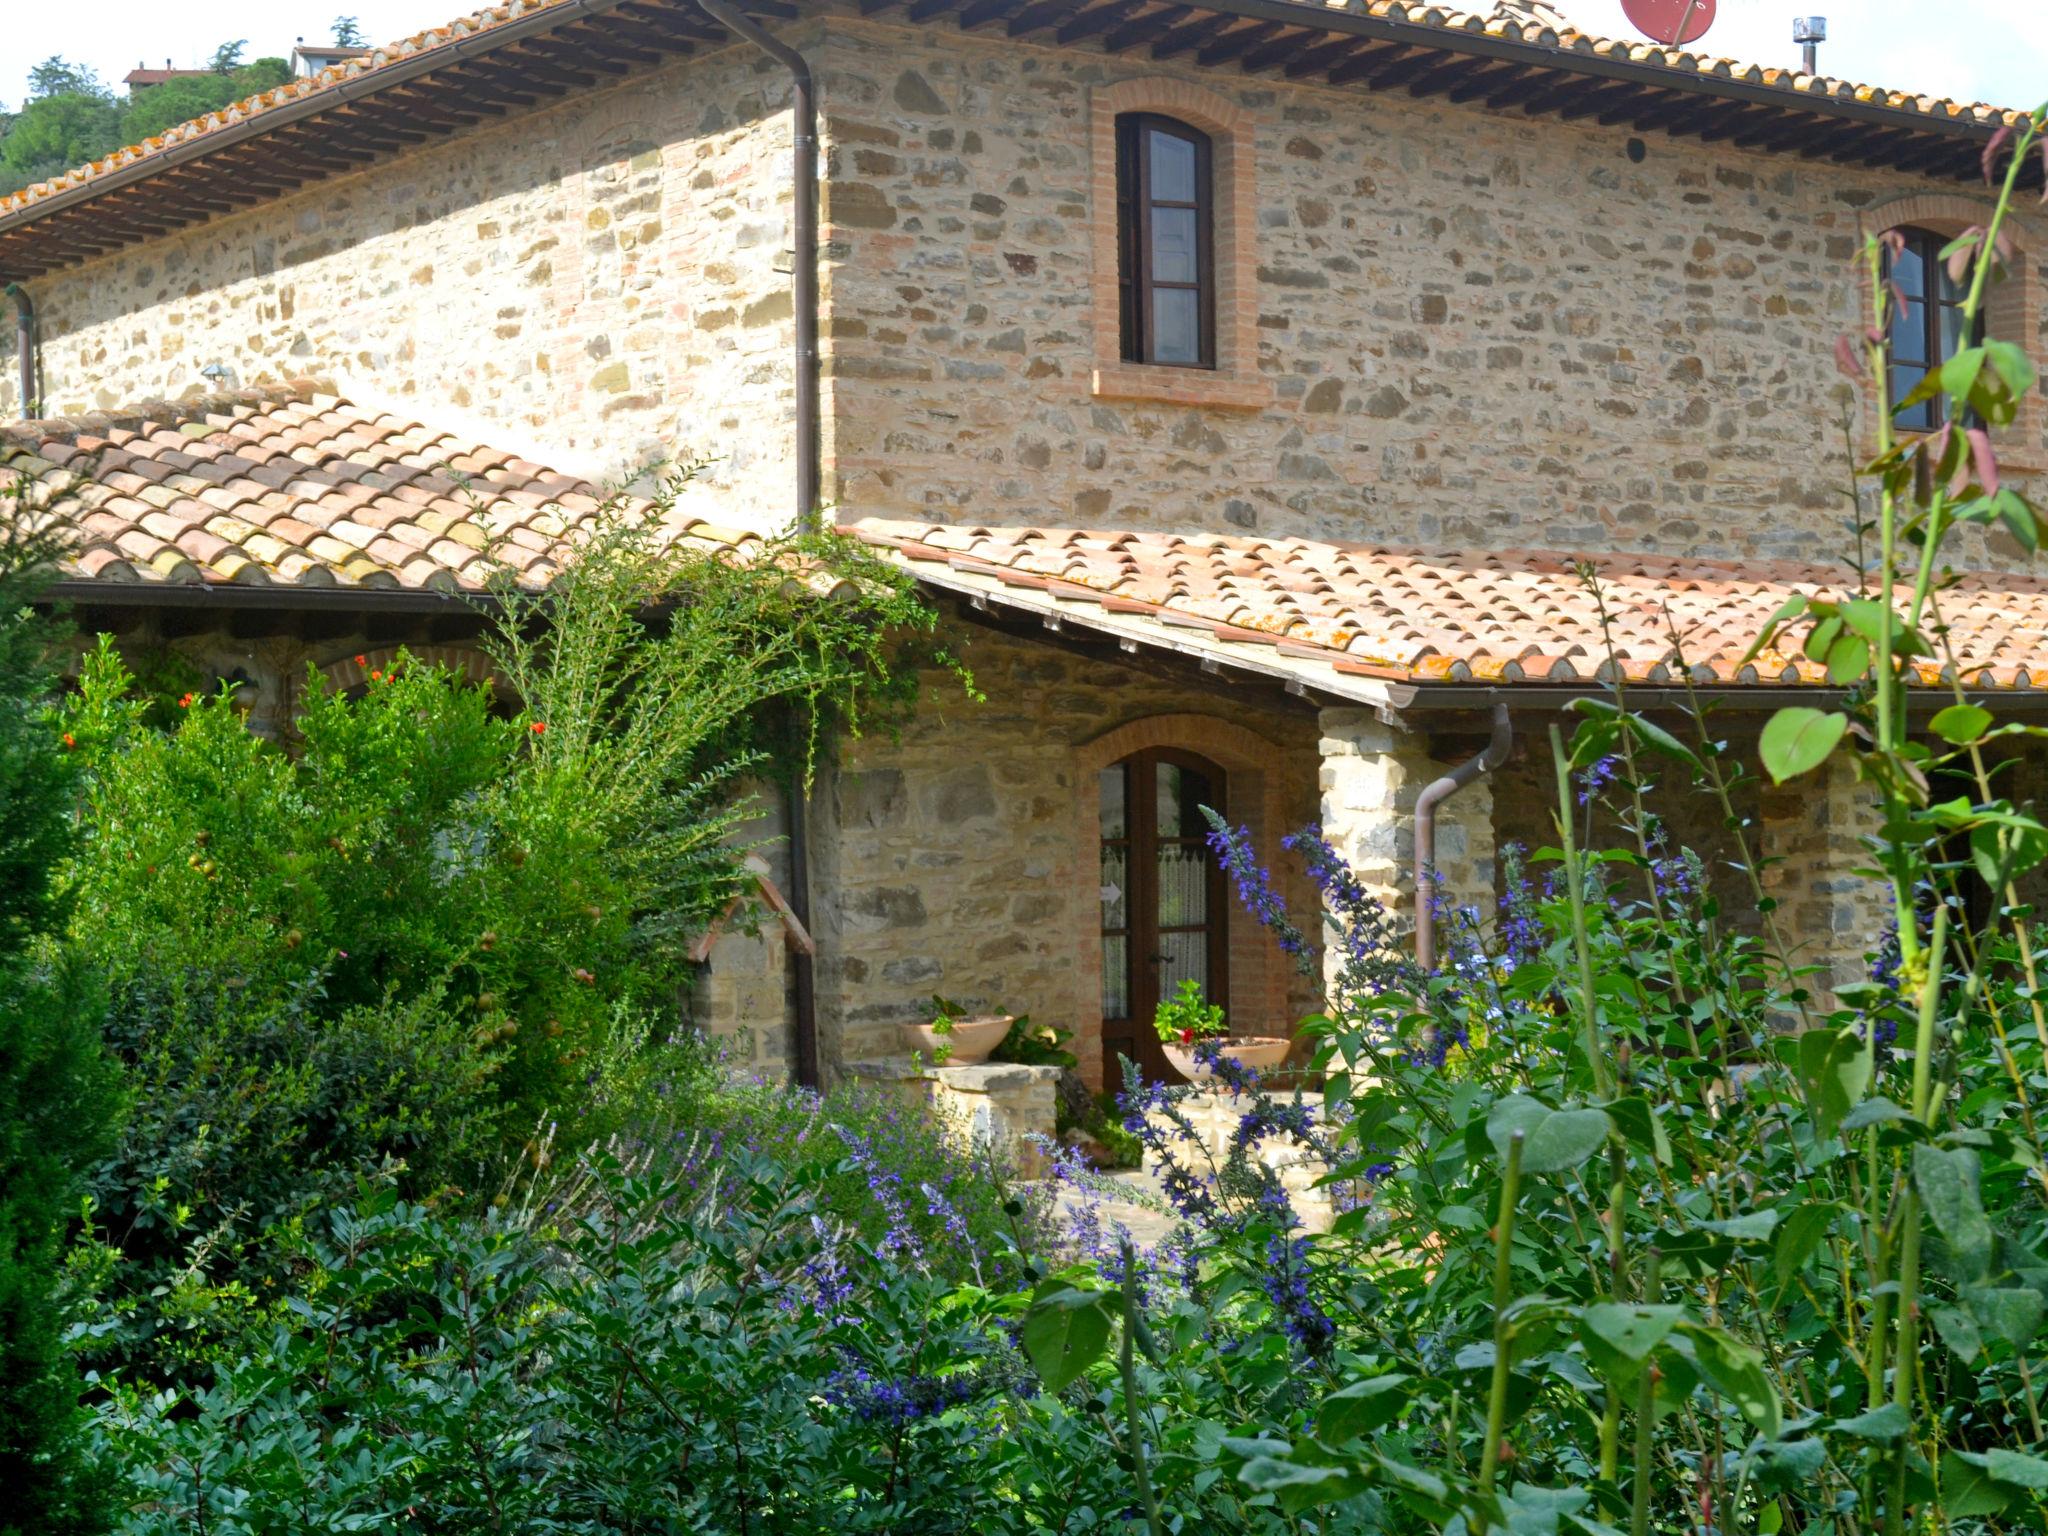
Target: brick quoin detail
(1234,383)
(2012,310)
(1252,765)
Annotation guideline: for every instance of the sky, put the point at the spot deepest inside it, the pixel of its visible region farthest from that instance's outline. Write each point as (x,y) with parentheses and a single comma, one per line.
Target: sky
(1977,50)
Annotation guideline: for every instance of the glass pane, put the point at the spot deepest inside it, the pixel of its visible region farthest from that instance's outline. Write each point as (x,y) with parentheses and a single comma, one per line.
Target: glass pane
(1182,793)
(1187,958)
(1909,334)
(1951,331)
(1921,416)
(1951,290)
(1183,885)
(1116,887)
(1173,168)
(1116,978)
(1909,271)
(1112,797)
(1176,326)
(1173,245)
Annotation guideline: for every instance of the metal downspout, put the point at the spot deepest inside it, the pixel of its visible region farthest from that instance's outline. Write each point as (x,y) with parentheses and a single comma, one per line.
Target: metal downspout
(1426,803)
(803,252)
(27,354)
(804,303)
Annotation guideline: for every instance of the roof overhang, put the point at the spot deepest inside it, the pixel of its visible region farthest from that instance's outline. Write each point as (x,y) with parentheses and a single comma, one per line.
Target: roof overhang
(519,55)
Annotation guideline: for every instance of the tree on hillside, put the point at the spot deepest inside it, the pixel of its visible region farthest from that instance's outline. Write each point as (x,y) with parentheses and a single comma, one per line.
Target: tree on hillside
(177,101)
(55,133)
(227,58)
(58,76)
(69,118)
(56,1094)
(347,34)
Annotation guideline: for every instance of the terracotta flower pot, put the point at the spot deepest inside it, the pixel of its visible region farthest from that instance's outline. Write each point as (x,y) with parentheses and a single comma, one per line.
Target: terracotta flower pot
(971,1039)
(1259,1052)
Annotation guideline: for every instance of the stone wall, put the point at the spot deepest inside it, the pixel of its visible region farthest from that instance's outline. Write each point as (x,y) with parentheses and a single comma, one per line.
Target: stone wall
(600,284)
(960,857)
(1473,328)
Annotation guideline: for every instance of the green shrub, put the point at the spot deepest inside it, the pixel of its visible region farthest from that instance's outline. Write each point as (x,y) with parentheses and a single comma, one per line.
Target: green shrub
(56,1094)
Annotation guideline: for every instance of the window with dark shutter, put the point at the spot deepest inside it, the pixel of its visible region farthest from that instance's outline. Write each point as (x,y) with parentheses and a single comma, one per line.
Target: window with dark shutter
(1927,322)
(1165,242)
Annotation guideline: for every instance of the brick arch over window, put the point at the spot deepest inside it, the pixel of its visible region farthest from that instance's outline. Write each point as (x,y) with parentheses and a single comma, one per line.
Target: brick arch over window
(1253,768)
(1235,382)
(2013,308)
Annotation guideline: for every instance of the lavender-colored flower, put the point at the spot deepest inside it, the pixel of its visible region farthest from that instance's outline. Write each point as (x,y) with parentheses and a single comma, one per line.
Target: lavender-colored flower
(886,1188)
(1595,780)
(1286,1283)
(1254,882)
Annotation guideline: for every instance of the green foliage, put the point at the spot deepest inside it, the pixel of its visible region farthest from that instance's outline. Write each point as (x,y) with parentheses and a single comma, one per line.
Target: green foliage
(348,34)
(56,133)
(1187,1017)
(424,928)
(58,76)
(655,1355)
(180,100)
(1035,1045)
(57,1100)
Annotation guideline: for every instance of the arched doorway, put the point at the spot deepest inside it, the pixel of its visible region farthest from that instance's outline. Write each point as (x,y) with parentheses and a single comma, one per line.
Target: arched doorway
(1163,906)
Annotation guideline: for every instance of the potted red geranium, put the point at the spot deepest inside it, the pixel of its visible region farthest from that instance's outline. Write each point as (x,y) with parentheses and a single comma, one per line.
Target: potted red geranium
(1186,1020)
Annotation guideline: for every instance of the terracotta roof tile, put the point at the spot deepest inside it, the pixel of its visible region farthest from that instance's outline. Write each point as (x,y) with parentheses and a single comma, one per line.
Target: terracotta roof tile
(237,489)
(1453,616)
(1508,24)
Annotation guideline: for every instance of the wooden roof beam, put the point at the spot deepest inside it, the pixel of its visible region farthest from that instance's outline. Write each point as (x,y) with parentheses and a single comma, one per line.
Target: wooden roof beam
(1289,42)
(1235,44)
(1132,33)
(1185,39)
(1450,78)
(1367,65)
(1033,18)
(1323,58)
(1603,102)
(1846,143)
(1090,23)
(527,64)
(981,12)
(1519,90)
(1730,124)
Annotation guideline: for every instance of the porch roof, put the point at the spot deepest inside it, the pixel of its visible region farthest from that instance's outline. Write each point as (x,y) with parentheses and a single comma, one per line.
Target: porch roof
(298,491)
(1375,622)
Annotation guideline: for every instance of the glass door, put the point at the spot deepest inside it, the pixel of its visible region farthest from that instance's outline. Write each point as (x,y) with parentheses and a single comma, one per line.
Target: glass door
(1163,912)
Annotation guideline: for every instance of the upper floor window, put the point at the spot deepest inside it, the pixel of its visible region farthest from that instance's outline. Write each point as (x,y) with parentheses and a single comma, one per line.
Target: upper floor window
(1927,322)
(1166,242)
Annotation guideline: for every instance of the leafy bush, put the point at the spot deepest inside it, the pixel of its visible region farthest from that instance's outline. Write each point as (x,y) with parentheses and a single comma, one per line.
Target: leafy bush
(425,928)
(56,1094)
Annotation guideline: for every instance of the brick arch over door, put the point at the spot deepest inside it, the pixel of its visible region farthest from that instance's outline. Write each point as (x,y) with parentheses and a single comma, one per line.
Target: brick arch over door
(1254,770)
(2012,310)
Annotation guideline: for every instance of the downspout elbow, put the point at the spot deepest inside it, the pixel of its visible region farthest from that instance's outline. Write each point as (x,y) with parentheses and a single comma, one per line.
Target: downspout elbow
(26,349)
(1432,796)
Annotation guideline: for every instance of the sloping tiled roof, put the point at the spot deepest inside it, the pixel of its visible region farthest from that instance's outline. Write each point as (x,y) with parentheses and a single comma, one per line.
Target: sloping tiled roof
(298,487)
(1327,612)
(1505,55)
(279,96)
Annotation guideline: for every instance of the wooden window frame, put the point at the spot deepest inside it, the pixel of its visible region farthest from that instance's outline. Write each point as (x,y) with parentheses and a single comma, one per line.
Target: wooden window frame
(1934,304)
(1137,286)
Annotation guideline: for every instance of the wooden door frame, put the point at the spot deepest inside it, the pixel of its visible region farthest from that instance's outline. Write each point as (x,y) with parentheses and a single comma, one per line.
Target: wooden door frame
(1134,1036)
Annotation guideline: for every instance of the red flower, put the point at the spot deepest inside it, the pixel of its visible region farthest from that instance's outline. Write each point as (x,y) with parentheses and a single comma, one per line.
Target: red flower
(362,661)
(1187,1037)
(185,702)
(376,677)
(70,740)
(539,727)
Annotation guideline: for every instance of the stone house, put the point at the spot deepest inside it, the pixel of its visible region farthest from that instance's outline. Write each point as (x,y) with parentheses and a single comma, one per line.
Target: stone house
(1252,382)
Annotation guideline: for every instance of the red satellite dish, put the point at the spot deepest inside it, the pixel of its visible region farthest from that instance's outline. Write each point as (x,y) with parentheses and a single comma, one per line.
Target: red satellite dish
(1670,21)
